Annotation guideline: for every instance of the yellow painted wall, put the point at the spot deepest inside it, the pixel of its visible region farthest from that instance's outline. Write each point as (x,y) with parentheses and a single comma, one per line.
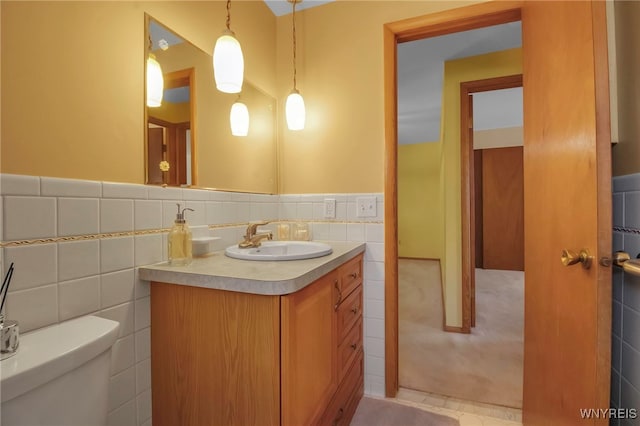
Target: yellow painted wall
(420,225)
(491,65)
(72,79)
(626,153)
(340,75)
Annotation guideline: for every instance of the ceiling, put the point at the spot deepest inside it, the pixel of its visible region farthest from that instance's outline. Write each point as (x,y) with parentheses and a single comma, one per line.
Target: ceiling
(282,7)
(421,73)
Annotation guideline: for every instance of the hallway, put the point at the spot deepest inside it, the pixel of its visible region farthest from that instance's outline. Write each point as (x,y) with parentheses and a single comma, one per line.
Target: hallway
(485,366)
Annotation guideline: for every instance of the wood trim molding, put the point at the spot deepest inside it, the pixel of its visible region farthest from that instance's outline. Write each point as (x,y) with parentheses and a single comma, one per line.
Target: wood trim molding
(452,329)
(418,258)
(390,214)
(604,201)
(446,22)
(468,224)
(456,20)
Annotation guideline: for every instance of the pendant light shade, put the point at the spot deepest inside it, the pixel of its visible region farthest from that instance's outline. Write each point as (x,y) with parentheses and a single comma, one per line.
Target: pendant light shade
(155,82)
(239,118)
(294,107)
(295,111)
(228,62)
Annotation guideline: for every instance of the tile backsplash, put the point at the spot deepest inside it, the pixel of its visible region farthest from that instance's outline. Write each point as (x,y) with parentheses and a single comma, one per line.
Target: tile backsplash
(625,350)
(77,244)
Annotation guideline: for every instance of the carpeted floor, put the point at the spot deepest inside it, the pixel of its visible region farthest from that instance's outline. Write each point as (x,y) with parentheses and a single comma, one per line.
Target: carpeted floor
(378,412)
(485,366)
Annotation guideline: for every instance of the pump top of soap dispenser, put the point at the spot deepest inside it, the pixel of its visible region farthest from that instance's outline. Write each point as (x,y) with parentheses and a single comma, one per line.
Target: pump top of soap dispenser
(180,216)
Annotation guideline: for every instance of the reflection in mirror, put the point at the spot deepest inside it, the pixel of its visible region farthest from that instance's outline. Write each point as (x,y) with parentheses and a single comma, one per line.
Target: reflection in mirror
(189,140)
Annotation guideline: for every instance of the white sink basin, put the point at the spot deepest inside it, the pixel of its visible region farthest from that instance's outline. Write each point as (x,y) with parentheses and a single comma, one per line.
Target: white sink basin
(280,250)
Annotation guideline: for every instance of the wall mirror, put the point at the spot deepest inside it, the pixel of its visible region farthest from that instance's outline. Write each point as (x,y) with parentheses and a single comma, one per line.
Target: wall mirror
(188,140)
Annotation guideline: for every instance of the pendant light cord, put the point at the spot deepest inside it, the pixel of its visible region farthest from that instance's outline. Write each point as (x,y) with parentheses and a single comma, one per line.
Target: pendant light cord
(229,15)
(294,45)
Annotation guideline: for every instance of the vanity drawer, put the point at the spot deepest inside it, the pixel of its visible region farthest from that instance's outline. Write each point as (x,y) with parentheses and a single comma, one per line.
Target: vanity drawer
(349,311)
(350,276)
(344,404)
(349,348)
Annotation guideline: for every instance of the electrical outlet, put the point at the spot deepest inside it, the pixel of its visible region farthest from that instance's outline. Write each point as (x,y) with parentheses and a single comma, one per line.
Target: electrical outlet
(329,208)
(366,207)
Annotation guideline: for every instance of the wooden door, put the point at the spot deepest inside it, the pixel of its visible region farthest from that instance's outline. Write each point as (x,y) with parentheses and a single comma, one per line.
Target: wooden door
(567,187)
(309,351)
(503,209)
(155,152)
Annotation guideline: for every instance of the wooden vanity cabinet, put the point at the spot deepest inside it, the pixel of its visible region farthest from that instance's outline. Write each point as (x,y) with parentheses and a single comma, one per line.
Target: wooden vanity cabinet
(227,358)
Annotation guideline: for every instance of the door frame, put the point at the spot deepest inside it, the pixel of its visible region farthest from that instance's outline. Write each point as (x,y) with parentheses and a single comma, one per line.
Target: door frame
(172,80)
(432,25)
(467,167)
(597,125)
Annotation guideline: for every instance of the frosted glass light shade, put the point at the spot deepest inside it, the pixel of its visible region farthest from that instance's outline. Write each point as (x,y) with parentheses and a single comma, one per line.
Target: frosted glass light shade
(155,82)
(295,111)
(239,118)
(228,63)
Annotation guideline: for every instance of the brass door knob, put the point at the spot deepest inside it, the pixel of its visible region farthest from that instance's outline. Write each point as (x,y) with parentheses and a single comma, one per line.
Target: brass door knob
(570,257)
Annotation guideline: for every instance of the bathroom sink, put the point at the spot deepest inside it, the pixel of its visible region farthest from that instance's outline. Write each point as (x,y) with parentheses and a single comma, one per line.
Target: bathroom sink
(280,250)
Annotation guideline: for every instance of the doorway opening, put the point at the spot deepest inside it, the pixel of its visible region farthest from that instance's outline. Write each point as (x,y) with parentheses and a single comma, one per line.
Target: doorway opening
(484,367)
(567,136)
(170,147)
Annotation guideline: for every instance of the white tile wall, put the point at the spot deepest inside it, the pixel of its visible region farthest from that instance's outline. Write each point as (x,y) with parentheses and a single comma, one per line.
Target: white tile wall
(116,215)
(58,187)
(123,354)
(77,259)
(38,265)
(56,281)
(116,254)
(29,217)
(116,288)
(78,297)
(78,216)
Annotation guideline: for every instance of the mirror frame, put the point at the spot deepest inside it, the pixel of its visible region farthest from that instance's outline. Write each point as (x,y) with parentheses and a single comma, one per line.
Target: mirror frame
(194,149)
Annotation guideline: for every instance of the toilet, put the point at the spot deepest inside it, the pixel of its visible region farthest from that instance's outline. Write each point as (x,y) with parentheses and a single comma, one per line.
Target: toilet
(60,375)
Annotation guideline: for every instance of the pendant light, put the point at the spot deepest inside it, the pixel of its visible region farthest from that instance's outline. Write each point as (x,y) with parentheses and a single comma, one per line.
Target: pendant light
(228,62)
(239,118)
(295,104)
(155,80)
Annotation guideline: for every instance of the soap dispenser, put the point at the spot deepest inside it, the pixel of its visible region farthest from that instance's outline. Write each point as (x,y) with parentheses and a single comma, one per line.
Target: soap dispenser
(180,251)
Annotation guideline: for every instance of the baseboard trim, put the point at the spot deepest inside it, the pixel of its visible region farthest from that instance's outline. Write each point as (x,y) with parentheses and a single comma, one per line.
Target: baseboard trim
(456,329)
(418,258)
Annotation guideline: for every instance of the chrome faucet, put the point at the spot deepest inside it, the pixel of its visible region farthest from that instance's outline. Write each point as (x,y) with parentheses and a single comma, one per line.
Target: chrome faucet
(252,238)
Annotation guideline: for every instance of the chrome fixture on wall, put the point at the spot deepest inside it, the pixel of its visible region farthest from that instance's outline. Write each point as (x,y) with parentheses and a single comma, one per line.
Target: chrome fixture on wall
(228,62)
(294,107)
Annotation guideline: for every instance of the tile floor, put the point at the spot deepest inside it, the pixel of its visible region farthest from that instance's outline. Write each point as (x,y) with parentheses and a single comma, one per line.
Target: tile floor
(468,413)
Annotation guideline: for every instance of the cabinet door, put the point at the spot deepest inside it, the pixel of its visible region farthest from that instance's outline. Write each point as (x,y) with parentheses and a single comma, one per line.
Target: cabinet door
(309,351)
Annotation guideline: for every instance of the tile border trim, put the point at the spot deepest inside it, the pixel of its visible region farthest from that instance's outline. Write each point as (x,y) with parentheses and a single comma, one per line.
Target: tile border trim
(627,230)
(53,240)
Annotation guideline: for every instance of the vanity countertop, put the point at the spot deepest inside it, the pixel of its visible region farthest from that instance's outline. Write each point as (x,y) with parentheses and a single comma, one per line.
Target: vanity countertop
(218,271)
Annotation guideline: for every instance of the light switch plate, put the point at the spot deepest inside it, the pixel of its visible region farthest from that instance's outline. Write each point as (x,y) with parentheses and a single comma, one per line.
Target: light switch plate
(329,208)
(366,207)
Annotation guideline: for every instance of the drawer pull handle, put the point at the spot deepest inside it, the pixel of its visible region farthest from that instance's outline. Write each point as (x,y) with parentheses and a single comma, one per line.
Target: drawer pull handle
(354,310)
(335,284)
(354,346)
(354,275)
(338,417)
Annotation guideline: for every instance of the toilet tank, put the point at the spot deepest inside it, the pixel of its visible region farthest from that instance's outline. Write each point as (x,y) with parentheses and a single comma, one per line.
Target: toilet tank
(60,375)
